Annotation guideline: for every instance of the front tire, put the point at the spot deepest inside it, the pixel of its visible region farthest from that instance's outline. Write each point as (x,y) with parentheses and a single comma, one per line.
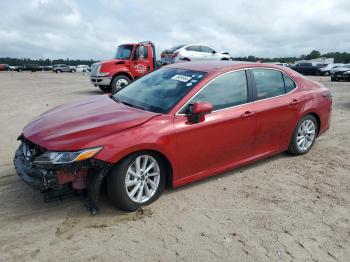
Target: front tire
(136,181)
(304,136)
(119,82)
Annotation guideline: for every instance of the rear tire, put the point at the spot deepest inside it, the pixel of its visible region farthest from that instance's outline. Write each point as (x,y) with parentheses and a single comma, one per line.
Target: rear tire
(126,187)
(304,136)
(119,82)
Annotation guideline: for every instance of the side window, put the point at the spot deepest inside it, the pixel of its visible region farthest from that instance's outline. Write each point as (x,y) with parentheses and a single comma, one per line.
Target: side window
(206,49)
(269,83)
(288,83)
(196,48)
(190,48)
(225,91)
(145,53)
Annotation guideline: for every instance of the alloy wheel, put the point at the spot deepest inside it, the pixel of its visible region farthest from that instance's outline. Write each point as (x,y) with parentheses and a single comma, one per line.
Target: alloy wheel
(306,135)
(142,179)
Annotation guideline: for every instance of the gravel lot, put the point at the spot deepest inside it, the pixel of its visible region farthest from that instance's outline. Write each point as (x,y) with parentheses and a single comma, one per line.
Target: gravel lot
(280,209)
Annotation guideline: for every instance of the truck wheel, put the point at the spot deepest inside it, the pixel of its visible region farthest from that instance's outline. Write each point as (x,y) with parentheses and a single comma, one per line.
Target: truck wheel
(105,88)
(138,180)
(119,82)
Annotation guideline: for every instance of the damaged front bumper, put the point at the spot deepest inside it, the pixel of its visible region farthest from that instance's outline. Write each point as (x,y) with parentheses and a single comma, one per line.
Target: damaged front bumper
(58,181)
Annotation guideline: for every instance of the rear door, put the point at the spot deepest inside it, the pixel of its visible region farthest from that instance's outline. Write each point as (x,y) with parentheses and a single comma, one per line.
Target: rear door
(195,53)
(208,53)
(276,108)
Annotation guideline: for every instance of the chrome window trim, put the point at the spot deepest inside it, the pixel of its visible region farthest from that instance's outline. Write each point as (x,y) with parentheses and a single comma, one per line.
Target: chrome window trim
(240,69)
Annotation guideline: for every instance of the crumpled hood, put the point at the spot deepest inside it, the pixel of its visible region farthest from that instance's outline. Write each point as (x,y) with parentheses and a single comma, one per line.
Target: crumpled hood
(71,126)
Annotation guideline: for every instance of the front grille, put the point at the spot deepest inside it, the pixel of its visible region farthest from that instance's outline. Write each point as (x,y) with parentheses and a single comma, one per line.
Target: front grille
(95,68)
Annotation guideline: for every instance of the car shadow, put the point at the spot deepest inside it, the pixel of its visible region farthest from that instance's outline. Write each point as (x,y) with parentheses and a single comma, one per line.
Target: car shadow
(89,92)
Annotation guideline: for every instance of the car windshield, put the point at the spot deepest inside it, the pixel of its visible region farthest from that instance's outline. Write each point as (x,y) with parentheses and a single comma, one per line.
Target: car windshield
(123,52)
(160,90)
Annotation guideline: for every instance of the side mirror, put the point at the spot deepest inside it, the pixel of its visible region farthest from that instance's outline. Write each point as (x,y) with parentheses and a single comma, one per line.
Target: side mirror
(214,52)
(197,111)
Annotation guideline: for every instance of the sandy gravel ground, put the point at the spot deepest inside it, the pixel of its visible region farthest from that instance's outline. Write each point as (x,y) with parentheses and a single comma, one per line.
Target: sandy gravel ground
(280,209)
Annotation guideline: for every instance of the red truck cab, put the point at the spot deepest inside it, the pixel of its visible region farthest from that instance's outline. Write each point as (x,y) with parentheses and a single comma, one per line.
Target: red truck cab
(130,62)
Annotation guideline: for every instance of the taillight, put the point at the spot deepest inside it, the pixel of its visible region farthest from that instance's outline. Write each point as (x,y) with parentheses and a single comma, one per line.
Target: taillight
(162,55)
(175,54)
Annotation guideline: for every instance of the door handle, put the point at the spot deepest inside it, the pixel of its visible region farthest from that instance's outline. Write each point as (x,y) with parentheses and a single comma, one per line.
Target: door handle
(294,102)
(247,114)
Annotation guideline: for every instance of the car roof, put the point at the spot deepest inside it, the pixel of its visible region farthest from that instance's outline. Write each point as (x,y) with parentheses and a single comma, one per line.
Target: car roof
(220,66)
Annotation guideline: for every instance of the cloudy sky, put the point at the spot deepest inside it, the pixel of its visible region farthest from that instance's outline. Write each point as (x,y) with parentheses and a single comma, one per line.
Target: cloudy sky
(93,28)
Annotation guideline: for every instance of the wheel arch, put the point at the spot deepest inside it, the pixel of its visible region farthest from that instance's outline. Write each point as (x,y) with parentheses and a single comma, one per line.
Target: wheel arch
(317,117)
(123,73)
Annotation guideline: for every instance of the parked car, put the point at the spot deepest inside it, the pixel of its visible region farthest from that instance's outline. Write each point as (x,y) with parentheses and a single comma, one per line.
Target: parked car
(341,73)
(5,67)
(59,68)
(307,68)
(326,70)
(28,67)
(130,62)
(192,52)
(176,125)
(83,68)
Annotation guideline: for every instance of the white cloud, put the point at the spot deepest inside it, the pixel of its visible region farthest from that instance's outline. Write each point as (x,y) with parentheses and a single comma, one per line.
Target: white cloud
(92,29)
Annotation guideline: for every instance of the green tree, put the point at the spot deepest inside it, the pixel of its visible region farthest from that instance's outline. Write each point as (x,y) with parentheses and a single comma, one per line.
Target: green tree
(314,54)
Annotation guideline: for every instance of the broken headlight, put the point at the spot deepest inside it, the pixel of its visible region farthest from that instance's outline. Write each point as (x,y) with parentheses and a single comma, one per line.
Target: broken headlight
(50,157)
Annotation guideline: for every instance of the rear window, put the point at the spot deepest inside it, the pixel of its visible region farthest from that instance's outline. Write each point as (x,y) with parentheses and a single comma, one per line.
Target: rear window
(269,83)
(176,47)
(288,83)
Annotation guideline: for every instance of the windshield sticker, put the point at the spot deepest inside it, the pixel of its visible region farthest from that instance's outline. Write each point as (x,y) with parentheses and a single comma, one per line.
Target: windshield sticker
(194,81)
(189,84)
(181,78)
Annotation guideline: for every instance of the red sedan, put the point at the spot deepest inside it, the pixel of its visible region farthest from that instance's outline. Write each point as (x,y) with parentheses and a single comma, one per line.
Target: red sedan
(176,125)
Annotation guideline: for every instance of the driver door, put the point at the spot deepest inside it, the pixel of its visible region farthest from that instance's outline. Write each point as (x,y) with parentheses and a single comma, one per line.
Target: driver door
(226,135)
(141,62)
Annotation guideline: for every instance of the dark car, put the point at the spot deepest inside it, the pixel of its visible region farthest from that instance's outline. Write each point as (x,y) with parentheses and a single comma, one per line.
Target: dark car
(307,68)
(28,67)
(176,125)
(341,73)
(63,68)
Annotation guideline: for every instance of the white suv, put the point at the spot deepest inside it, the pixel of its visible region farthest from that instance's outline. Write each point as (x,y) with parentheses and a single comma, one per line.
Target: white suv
(192,52)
